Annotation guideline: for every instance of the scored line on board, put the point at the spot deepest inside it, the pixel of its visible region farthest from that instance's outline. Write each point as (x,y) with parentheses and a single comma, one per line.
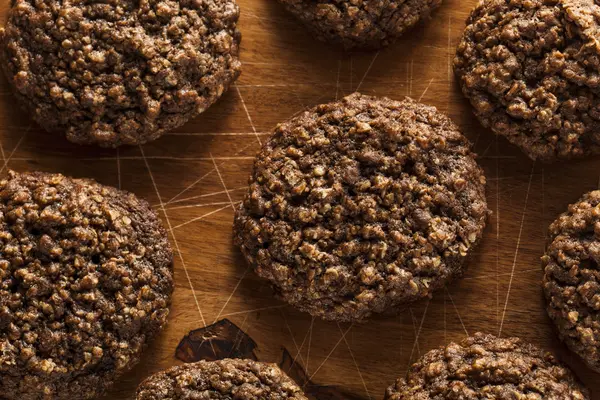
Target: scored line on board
(418,333)
(355,363)
(248,114)
(10,156)
(174,237)
(330,353)
(457,313)
(512,275)
(201,196)
(201,217)
(367,71)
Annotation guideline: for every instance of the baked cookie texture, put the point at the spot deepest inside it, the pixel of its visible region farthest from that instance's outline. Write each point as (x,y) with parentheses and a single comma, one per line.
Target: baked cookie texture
(119,72)
(85,282)
(362,205)
(224,379)
(571,277)
(530,69)
(362,24)
(486,367)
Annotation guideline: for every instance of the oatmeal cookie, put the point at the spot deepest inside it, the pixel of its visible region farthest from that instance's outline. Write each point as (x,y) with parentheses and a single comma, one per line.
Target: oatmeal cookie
(118,72)
(571,277)
(486,367)
(362,205)
(224,379)
(85,283)
(363,24)
(531,70)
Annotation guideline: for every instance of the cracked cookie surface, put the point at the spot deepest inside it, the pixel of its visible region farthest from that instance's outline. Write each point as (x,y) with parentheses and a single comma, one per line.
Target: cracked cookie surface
(362,205)
(85,283)
(119,71)
(362,24)
(531,70)
(487,367)
(221,380)
(572,277)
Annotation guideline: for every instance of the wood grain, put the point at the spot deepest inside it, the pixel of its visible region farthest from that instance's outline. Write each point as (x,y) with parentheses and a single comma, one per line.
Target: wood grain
(195,175)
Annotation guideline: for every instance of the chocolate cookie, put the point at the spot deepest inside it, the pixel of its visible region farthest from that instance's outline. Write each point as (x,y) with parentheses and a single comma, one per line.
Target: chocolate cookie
(119,72)
(362,205)
(486,367)
(85,283)
(224,379)
(364,24)
(572,276)
(530,70)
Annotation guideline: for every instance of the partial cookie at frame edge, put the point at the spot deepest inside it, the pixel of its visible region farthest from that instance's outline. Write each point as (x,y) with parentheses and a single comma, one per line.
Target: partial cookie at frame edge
(484,365)
(571,277)
(530,71)
(242,379)
(358,26)
(123,73)
(86,282)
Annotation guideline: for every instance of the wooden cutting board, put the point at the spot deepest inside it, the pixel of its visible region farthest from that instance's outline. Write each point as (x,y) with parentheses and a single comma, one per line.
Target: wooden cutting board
(194,177)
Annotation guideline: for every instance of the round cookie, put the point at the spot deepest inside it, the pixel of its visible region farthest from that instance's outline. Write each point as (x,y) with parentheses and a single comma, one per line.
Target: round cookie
(359,206)
(571,277)
(365,24)
(223,379)
(530,70)
(119,72)
(486,367)
(85,283)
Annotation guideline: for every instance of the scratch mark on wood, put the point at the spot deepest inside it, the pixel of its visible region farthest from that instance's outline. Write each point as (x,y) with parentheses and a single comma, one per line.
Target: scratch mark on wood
(173,235)
(200,205)
(119,167)
(216,133)
(2,152)
(426,89)
(512,274)
(10,156)
(289,328)
(414,323)
(200,217)
(419,332)
(355,363)
(331,352)
(248,114)
(222,181)
(312,324)
(253,310)
(367,71)
(337,83)
(457,313)
(200,196)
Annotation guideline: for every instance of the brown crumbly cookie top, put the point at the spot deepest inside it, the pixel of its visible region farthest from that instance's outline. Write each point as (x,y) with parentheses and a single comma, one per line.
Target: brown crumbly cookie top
(572,276)
(221,380)
(486,367)
(119,71)
(85,282)
(361,205)
(362,24)
(531,71)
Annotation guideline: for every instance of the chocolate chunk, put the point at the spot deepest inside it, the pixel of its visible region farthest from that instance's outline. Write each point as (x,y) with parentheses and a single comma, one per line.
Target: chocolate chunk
(220,340)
